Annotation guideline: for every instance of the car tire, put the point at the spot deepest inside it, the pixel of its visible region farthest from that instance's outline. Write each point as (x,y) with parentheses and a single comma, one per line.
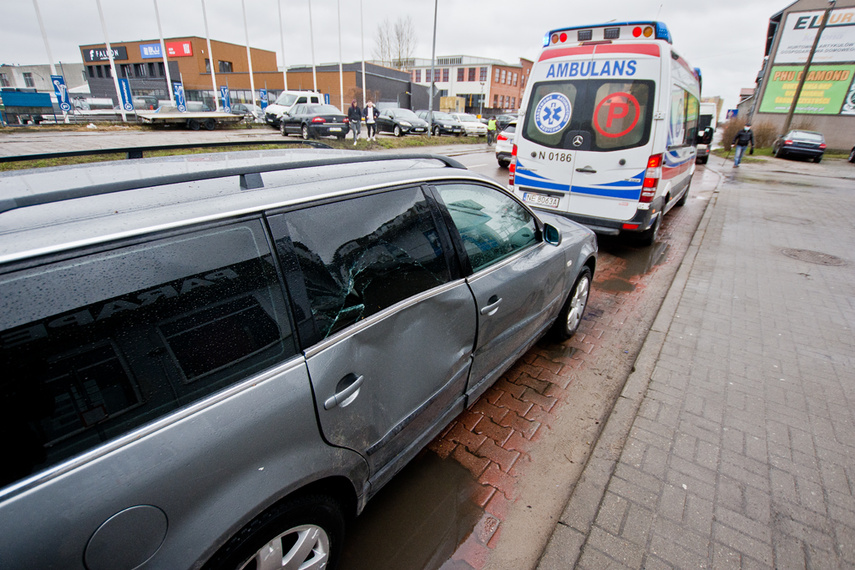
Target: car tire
(648,237)
(398,132)
(571,314)
(193,124)
(437,132)
(282,129)
(818,159)
(310,528)
(504,163)
(779,153)
(304,132)
(852,155)
(210,124)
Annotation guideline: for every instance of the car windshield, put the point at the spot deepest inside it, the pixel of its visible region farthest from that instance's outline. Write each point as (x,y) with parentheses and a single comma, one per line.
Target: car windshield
(468,118)
(404,114)
(286,99)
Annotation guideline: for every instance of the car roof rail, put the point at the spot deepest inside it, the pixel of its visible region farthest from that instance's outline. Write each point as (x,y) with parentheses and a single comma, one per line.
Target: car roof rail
(250,178)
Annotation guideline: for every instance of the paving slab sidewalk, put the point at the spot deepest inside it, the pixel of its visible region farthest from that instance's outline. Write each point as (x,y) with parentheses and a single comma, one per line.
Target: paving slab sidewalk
(732,445)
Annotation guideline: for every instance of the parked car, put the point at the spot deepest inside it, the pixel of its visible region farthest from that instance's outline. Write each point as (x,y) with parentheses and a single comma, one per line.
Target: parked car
(285,101)
(505,145)
(248,110)
(852,155)
(313,121)
(798,143)
(198,372)
(443,123)
(502,121)
(471,125)
(400,122)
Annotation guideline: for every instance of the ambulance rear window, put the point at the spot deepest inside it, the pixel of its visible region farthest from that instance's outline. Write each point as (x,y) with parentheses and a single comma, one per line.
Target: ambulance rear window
(610,115)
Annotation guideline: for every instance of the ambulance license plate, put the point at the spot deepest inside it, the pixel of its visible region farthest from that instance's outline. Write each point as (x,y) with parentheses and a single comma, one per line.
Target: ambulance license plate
(541,200)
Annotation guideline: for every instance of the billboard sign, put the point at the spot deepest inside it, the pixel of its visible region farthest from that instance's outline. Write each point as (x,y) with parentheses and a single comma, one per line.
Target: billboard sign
(179,49)
(61,91)
(837,44)
(120,53)
(824,91)
(150,51)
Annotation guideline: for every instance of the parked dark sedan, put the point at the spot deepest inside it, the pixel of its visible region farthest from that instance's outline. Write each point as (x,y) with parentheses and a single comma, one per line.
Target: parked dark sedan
(401,122)
(806,144)
(312,121)
(443,123)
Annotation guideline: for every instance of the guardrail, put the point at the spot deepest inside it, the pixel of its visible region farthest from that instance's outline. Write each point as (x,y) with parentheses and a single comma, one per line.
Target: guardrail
(139,151)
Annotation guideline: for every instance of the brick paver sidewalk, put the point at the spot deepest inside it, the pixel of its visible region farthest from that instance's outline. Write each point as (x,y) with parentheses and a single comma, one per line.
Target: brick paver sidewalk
(742,452)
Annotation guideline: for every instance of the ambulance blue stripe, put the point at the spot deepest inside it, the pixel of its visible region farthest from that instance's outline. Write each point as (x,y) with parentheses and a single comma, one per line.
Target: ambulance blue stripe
(522,179)
(632,194)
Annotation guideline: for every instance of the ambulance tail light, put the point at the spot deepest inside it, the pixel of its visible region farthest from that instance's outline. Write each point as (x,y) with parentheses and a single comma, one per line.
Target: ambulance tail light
(651,178)
(512,167)
(501,138)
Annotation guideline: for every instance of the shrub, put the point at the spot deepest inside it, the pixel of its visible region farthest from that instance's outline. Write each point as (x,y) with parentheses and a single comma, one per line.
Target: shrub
(765,134)
(729,132)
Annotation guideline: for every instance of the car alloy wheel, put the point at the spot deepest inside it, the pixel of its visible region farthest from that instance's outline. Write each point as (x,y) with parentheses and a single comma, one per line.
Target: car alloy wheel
(574,308)
(398,132)
(305,132)
(436,132)
(282,129)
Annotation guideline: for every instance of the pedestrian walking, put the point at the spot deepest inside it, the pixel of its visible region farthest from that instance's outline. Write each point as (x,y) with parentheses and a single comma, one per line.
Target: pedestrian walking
(742,139)
(371,113)
(491,131)
(354,117)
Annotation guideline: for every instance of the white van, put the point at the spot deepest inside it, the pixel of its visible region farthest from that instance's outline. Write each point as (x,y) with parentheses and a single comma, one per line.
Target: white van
(706,129)
(285,101)
(608,128)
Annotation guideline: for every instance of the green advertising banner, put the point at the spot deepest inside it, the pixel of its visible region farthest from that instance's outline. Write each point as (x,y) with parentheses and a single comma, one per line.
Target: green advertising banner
(822,94)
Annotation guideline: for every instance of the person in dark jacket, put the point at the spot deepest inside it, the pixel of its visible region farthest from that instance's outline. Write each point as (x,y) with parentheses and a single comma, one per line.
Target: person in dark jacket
(371,113)
(742,139)
(354,117)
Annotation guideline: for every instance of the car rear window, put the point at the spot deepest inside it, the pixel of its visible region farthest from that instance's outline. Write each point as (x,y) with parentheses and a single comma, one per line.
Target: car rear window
(812,137)
(95,346)
(615,114)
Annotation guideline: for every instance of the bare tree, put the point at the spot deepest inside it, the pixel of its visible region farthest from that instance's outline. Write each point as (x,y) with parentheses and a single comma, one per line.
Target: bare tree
(396,43)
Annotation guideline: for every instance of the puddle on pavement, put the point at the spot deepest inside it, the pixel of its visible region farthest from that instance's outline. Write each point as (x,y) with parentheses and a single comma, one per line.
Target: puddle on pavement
(417,521)
(637,262)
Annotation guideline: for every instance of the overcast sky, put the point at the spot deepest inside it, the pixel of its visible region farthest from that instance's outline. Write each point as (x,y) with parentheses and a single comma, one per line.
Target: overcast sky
(725,38)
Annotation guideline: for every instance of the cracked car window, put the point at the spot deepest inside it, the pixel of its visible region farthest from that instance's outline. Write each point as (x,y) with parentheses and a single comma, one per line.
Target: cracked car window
(491,224)
(362,255)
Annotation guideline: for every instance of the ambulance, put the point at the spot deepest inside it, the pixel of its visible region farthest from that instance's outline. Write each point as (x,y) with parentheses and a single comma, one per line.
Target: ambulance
(608,128)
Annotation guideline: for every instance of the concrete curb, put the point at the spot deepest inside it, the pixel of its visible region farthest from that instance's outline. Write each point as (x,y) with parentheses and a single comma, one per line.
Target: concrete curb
(571,532)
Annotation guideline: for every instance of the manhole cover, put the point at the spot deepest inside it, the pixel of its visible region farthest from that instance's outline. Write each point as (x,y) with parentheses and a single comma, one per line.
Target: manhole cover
(816,257)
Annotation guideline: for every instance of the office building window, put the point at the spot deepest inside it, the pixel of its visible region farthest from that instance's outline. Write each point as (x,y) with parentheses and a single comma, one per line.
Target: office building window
(445,75)
(140,70)
(418,78)
(151,68)
(125,70)
(28,80)
(497,75)
(160,70)
(226,67)
(107,73)
(471,74)
(100,70)
(4,81)
(483,74)
(427,76)
(460,74)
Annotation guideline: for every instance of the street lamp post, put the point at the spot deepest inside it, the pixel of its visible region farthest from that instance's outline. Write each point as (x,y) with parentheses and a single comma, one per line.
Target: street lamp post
(804,75)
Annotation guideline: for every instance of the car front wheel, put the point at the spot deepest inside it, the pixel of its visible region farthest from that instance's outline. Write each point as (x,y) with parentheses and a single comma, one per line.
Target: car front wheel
(436,132)
(398,132)
(304,533)
(570,318)
(282,129)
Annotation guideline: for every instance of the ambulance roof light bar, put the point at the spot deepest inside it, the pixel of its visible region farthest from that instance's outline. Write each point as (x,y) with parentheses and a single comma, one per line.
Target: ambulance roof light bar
(658,31)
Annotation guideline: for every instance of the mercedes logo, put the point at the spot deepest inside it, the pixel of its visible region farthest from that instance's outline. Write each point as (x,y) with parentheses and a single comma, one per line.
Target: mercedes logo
(578,140)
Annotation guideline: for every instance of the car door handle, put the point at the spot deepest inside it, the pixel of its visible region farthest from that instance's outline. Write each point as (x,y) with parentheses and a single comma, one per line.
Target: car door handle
(587,169)
(491,309)
(347,387)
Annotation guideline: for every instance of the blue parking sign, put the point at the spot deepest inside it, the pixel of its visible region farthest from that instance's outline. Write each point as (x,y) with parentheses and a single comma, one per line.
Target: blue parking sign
(125,90)
(178,90)
(227,100)
(263,98)
(61,92)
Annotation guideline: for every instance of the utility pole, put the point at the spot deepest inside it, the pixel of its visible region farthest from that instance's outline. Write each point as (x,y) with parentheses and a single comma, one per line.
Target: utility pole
(804,75)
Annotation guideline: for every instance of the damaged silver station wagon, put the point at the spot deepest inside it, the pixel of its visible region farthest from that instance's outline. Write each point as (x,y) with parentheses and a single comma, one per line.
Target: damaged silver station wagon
(214,361)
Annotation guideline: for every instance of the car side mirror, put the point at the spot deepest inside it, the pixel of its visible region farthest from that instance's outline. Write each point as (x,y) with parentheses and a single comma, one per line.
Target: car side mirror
(551,234)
